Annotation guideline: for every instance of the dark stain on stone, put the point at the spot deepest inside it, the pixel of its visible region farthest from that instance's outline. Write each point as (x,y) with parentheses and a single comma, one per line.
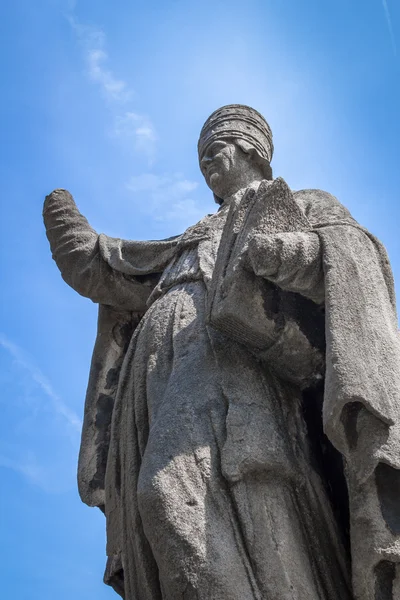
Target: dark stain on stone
(388,483)
(104,410)
(326,460)
(282,306)
(105,405)
(385,574)
(349,419)
(112,378)
(308,315)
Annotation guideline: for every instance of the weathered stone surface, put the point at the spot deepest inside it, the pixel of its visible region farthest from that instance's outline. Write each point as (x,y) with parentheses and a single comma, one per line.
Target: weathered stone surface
(242,430)
(284,328)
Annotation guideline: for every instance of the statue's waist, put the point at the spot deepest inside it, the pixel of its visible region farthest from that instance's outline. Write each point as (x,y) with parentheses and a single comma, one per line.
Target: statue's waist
(184,268)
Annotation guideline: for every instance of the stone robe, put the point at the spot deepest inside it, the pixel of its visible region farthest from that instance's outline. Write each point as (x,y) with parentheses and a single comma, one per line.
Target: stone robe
(212,484)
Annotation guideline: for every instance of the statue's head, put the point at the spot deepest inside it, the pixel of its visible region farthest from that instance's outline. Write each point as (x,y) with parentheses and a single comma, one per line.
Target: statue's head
(235,148)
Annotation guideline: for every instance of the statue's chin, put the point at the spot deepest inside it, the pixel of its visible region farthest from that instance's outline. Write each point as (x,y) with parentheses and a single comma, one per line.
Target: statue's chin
(218,185)
(213,180)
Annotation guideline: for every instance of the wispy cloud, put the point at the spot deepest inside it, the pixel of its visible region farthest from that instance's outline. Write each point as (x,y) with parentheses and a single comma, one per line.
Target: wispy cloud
(93,42)
(173,186)
(167,197)
(140,130)
(53,474)
(28,466)
(115,90)
(57,404)
(71,5)
(390,26)
(35,419)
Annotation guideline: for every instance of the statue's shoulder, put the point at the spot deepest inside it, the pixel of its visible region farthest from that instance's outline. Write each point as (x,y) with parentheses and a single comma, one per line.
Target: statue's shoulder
(320,206)
(312,197)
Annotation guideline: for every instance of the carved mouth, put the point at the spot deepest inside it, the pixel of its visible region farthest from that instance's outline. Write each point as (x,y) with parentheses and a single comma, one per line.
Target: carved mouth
(213,168)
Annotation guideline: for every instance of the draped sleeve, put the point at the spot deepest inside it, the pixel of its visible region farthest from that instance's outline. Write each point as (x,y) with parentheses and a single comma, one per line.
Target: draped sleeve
(292,260)
(361,408)
(119,275)
(75,247)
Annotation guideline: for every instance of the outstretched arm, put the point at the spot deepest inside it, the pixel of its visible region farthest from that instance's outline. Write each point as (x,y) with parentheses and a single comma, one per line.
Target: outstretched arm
(75,249)
(291,260)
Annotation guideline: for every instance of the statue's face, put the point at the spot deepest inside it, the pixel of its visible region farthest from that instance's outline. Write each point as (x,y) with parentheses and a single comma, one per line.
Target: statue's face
(223,165)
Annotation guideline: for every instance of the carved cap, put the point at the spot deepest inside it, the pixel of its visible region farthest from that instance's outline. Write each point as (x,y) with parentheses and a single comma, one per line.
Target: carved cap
(238,121)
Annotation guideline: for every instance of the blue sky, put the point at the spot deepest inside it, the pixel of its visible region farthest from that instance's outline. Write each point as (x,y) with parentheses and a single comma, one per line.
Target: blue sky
(107,100)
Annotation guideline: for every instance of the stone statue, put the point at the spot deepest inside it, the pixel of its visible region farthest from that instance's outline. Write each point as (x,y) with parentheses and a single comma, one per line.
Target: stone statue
(241,429)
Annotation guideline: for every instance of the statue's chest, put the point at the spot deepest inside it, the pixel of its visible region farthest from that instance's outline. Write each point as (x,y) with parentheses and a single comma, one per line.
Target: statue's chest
(185,266)
(196,253)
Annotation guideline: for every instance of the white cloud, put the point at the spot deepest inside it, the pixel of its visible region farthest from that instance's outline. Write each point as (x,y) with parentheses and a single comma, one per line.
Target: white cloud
(57,404)
(93,41)
(390,26)
(27,465)
(185,209)
(167,196)
(71,5)
(115,89)
(147,182)
(130,125)
(164,185)
(53,475)
(39,421)
(185,186)
(140,129)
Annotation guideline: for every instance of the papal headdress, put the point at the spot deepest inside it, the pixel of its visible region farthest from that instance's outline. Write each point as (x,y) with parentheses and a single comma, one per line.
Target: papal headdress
(240,122)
